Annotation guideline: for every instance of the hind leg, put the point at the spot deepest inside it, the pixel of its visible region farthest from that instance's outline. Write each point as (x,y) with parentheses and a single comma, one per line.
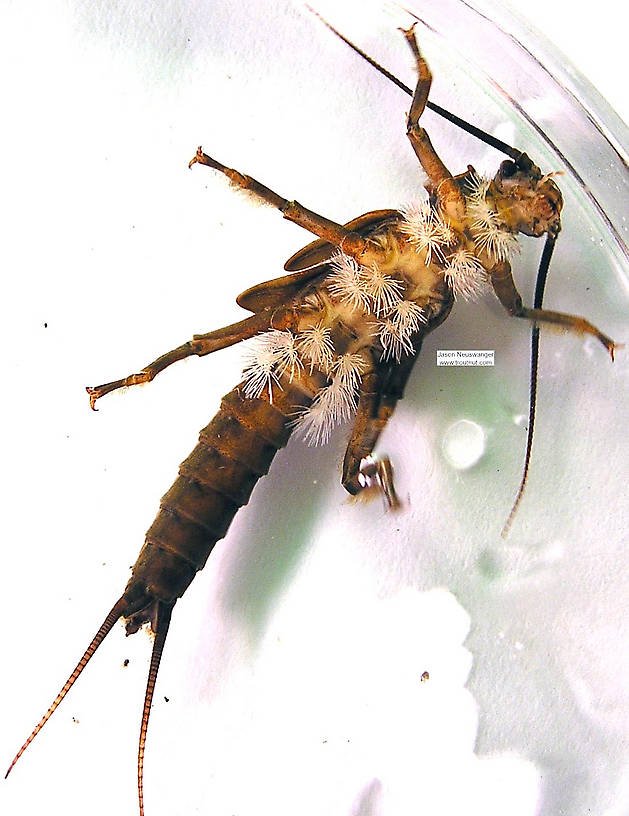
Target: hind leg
(200,345)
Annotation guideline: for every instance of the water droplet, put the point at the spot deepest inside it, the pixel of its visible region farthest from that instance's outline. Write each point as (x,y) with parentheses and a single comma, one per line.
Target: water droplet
(463,444)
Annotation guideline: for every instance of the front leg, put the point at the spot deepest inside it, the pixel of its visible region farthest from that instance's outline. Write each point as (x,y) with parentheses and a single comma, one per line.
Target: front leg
(449,196)
(507,293)
(379,393)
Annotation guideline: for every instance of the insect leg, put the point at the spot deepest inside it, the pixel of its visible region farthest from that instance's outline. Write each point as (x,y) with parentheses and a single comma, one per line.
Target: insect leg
(446,189)
(200,345)
(350,242)
(468,127)
(507,293)
(379,393)
(360,468)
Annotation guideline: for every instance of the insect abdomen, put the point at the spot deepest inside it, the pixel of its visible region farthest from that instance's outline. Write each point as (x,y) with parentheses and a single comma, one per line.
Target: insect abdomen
(234,450)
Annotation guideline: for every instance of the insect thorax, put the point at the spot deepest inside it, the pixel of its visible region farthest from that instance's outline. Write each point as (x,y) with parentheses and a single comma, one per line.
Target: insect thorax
(372,310)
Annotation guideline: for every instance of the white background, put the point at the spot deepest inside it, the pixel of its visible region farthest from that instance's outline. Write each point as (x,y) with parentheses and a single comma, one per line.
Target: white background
(293,663)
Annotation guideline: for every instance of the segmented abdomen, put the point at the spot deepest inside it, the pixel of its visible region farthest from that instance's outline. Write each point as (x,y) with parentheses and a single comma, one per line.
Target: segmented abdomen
(233,451)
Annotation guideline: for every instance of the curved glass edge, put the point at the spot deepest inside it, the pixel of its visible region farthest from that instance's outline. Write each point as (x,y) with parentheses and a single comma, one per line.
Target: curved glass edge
(562,70)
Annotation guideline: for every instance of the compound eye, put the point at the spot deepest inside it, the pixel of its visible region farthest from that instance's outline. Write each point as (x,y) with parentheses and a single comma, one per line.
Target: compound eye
(507,169)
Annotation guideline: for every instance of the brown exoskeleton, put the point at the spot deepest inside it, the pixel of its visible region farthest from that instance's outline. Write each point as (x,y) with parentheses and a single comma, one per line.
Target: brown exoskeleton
(337,335)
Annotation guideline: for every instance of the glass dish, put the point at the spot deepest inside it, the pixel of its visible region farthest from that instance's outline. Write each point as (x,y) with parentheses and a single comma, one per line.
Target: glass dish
(292,679)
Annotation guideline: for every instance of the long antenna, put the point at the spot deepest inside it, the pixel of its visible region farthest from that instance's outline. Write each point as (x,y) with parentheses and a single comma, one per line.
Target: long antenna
(542,274)
(503,147)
